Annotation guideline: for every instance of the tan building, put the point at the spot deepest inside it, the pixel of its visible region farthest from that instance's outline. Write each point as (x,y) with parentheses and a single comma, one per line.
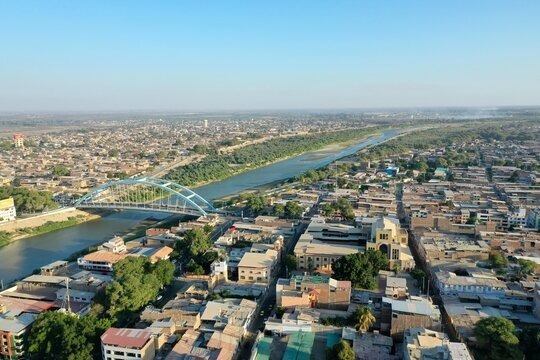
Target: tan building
(388,237)
(317,255)
(317,291)
(257,267)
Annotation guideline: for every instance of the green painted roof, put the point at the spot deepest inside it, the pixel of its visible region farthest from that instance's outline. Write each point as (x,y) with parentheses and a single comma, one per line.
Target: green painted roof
(263,349)
(299,346)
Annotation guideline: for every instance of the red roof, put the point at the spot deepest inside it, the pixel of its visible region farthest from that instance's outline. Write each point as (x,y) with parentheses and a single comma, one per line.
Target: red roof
(126,338)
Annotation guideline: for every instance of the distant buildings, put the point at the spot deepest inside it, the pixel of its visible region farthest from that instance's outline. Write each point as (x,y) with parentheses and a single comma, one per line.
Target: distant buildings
(18,140)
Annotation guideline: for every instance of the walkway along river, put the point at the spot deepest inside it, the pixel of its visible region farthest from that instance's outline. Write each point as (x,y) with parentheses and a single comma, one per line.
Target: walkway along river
(22,257)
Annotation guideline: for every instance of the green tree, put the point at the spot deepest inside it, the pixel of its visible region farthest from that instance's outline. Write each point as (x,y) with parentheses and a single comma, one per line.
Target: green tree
(256,203)
(498,261)
(136,283)
(198,241)
(208,229)
(529,341)
(364,318)
(327,209)
(194,268)
(340,351)
(56,335)
(164,271)
(293,210)
(200,149)
(419,275)
(496,338)
(60,170)
(114,152)
(290,263)
(360,268)
(278,210)
(527,267)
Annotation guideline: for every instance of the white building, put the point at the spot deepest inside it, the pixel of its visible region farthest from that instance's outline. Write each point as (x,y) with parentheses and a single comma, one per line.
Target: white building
(421,343)
(127,344)
(451,284)
(7,210)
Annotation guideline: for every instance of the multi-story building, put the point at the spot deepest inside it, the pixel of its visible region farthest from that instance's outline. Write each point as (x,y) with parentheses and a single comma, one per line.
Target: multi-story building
(7,210)
(100,261)
(16,318)
(388,237)
(18,140)
(450,284)
(257,267)
(127,344)
(318,291)
(317,255)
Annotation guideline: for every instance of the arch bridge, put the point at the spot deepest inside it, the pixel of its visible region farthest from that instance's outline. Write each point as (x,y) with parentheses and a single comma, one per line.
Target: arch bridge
(146,194)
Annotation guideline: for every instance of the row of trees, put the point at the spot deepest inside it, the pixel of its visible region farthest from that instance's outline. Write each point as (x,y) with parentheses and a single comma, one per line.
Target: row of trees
(257,204)
(28,201)
(219,166)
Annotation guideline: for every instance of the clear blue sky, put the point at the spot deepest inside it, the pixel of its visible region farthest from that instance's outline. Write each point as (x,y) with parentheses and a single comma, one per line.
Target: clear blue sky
(215,55)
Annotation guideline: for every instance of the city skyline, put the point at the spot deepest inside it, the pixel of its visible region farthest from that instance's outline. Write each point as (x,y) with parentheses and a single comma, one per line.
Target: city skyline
(213,56)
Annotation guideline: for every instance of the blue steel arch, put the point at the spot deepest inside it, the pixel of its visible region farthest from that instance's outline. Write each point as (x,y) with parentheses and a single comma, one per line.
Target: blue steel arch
(169,186)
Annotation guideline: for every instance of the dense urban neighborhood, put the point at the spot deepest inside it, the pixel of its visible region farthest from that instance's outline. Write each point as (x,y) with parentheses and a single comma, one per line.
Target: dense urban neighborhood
(424,246)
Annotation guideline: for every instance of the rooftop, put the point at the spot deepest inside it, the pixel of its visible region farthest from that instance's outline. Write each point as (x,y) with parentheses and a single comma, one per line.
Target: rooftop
(126,338)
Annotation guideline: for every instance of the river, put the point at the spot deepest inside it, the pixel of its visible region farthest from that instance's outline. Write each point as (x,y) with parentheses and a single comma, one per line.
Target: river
(22,257)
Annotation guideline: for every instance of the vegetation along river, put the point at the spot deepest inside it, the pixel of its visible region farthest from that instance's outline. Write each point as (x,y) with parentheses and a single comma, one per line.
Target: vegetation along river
(22,257)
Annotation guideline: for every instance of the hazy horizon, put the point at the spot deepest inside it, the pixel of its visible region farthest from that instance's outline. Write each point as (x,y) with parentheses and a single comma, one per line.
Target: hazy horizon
(214,56)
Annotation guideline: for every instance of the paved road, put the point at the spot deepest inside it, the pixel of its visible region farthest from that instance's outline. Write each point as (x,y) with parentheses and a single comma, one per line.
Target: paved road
(269,298)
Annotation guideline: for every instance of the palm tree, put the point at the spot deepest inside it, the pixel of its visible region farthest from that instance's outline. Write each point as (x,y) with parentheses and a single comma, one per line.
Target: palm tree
(365,318)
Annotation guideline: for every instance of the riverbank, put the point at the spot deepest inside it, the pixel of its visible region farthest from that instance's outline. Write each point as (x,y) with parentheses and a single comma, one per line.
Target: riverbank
(317,153)
(45,223)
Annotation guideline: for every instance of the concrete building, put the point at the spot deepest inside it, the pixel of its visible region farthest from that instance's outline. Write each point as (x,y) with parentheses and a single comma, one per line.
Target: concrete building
(399,315)
(100,261)
(127,344)
(16,318)
(229,316)
(7,210)
(424,344)
(450,284)
(317,255)
(316,291)
(257,267)
(388,237)
(18,140)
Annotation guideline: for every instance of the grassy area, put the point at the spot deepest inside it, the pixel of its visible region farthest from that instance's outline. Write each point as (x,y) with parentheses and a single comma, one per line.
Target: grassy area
(4,238)
(52,226)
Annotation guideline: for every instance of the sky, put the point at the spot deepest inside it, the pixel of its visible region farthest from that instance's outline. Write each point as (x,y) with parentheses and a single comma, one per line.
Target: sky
(255,55)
